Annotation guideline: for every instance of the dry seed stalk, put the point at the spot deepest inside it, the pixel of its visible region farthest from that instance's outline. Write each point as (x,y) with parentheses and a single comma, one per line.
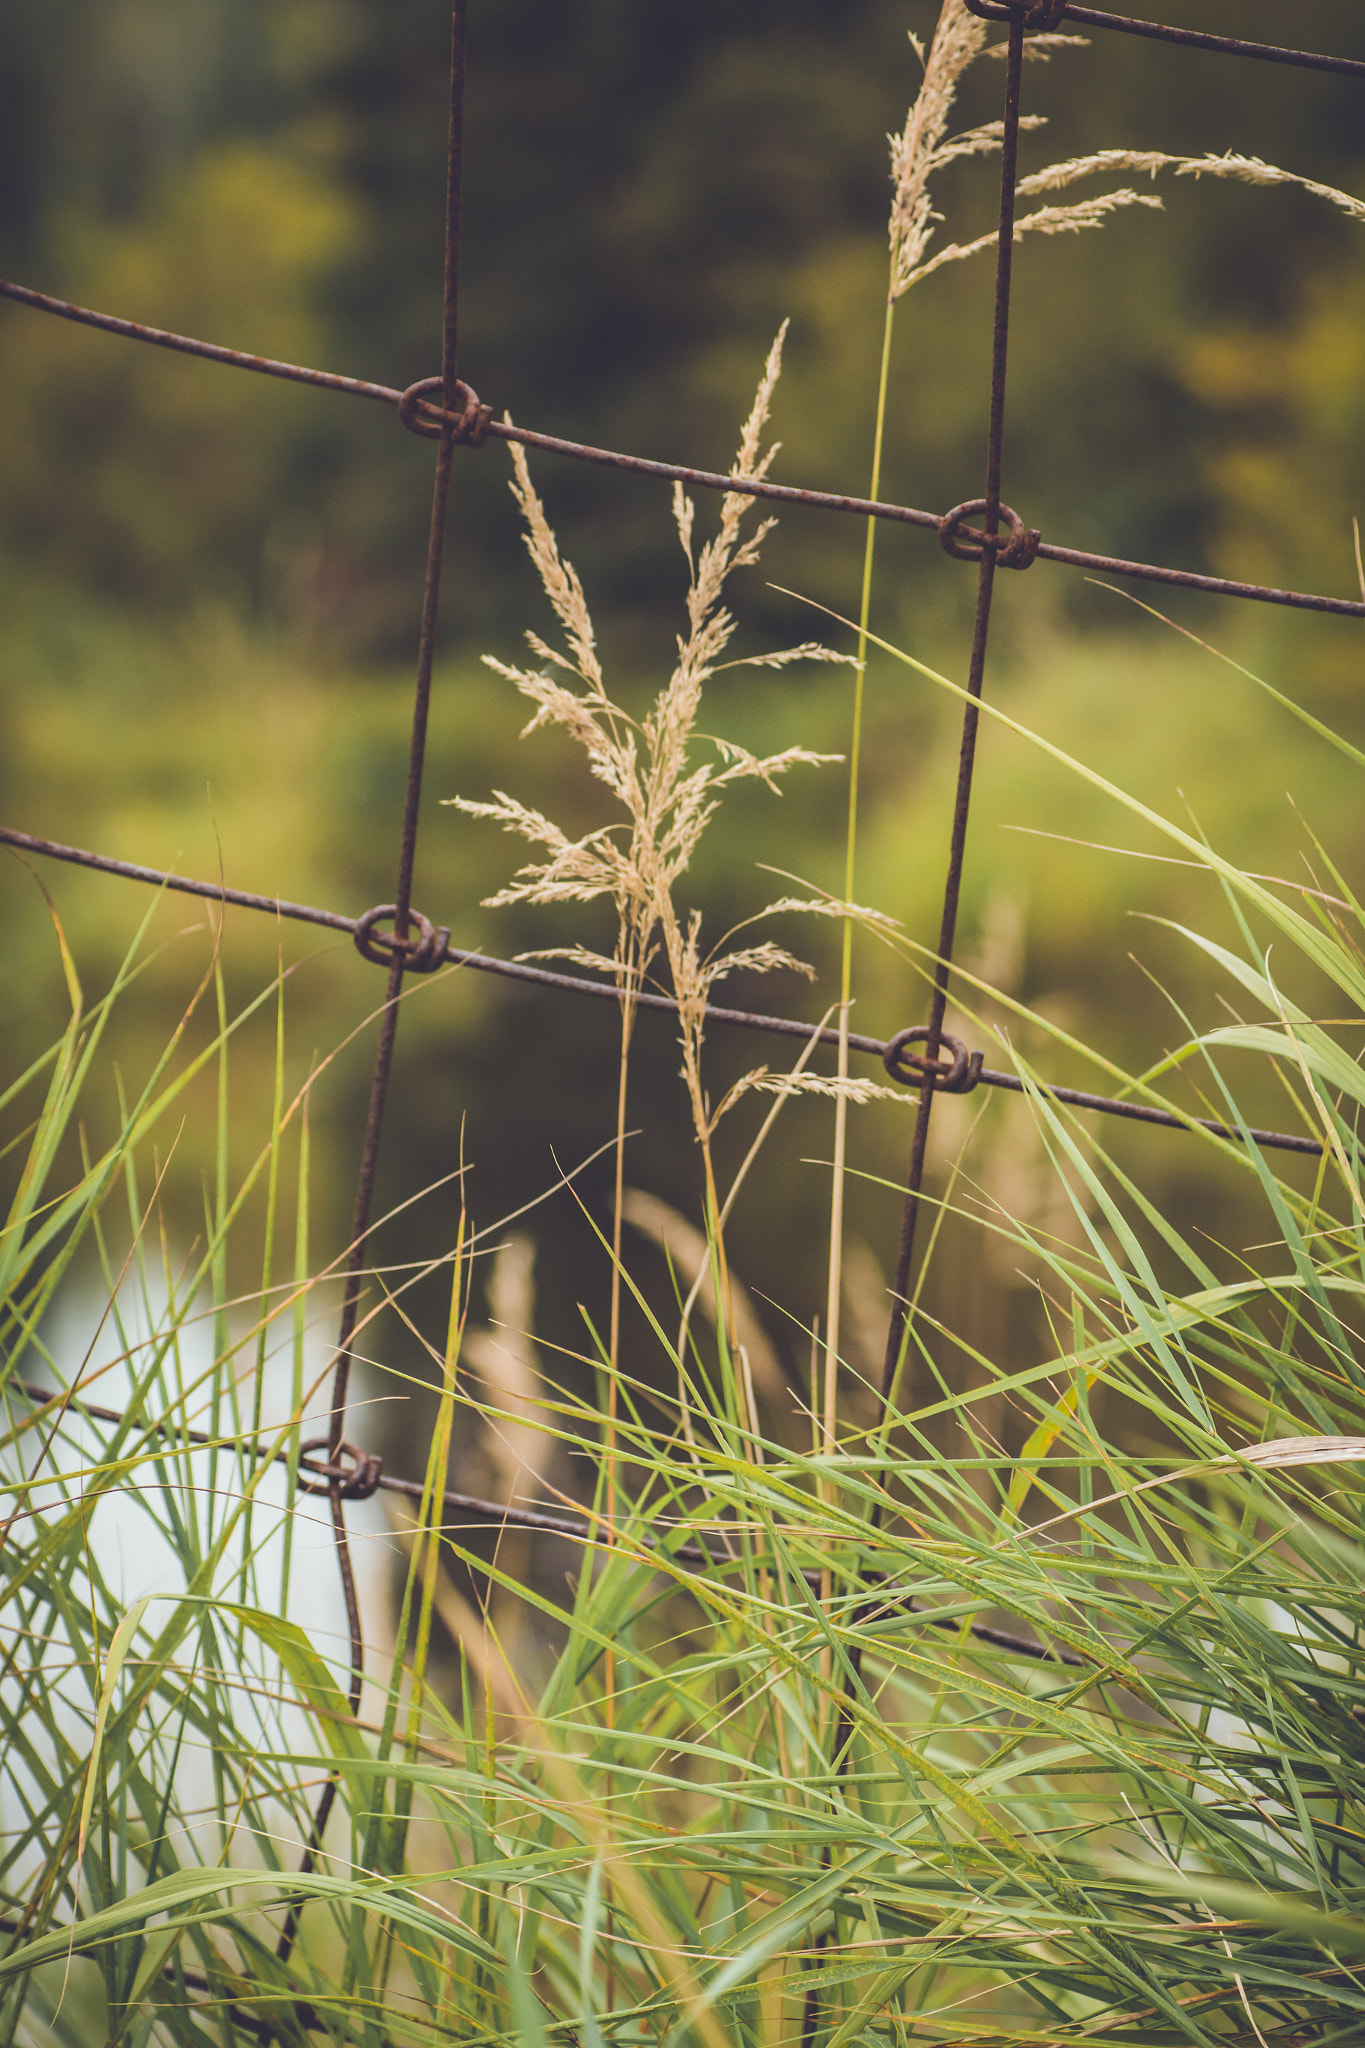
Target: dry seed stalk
(666,793)
(918,153)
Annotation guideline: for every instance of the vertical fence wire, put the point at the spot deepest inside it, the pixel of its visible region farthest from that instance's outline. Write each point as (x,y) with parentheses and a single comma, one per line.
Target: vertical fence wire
(388,1030)
(898,1331)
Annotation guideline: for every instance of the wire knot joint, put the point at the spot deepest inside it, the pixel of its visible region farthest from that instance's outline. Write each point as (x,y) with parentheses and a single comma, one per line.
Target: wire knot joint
(956,1076)
(420,955)
(422,411)
(1039,15)
(354,1474)
(1016,548)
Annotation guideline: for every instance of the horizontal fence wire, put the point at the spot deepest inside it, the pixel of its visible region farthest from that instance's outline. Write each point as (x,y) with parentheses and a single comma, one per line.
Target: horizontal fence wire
(469,423)
(1050,15)
(448,411)
(440,952)
(359,1476)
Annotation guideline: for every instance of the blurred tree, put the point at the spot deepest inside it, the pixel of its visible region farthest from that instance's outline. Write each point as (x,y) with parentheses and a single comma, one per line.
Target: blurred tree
(650,191)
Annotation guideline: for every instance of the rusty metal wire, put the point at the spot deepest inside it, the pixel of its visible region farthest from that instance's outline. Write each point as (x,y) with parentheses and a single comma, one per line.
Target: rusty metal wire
(341,1484)
(431,949)
(446,410)
(358,1475)
(991,550)
(1043,15)
(469,422)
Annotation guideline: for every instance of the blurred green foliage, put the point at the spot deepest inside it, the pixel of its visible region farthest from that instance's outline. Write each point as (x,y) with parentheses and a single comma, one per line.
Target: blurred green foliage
(210,581)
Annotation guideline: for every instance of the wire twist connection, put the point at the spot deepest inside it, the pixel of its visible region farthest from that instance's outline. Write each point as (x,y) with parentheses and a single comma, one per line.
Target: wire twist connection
(422,955)
(957,1076)
(1017,548)
(421,413)
(352,1474)
(1040,16)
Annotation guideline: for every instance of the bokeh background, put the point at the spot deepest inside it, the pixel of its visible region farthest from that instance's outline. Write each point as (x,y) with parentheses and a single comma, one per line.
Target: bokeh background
(209,583)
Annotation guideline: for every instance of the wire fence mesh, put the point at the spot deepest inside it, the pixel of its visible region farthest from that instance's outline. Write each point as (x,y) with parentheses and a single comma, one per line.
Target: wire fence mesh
(985,532)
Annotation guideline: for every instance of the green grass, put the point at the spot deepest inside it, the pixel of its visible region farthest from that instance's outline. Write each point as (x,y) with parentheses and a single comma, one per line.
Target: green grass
(668,1805)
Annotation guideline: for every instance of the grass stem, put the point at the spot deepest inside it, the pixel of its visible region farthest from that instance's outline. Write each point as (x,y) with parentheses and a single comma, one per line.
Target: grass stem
(836,1220)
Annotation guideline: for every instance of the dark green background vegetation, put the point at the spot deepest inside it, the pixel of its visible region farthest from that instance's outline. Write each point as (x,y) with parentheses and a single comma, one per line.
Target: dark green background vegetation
(209,583)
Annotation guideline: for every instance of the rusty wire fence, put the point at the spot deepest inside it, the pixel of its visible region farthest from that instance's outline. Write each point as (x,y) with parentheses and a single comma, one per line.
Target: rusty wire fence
(401,940)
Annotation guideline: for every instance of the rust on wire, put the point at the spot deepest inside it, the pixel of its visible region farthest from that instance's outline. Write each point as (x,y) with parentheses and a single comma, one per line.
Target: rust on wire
(469,422)
(1016,549)
(1158,32)
(361,1475)
(339,1486)
(958,1077)
(1190,579)
(989,554)
(215,892)
(354,1474)
(421,415)
(421,955)
(186,345)
(906,1068)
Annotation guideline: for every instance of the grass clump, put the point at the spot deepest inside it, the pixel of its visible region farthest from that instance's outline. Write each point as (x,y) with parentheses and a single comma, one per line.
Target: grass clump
(1029,1712)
